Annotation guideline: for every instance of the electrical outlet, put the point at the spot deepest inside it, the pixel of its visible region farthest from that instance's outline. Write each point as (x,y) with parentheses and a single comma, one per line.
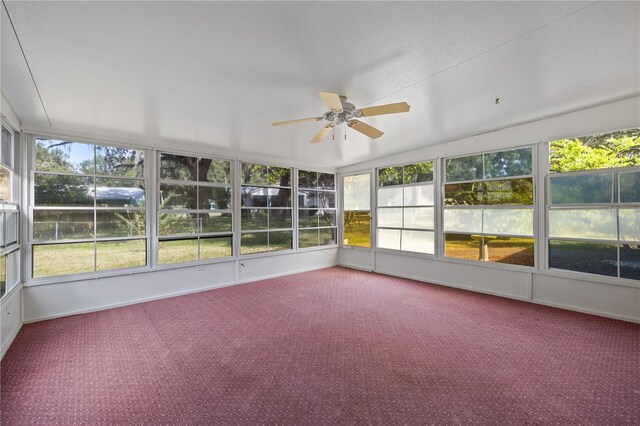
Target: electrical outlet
(202,268)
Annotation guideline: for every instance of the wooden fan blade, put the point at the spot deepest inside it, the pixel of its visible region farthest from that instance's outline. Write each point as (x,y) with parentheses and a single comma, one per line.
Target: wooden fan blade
(300,120)
(365,129)
(385,109)
(331,100)
(322,133)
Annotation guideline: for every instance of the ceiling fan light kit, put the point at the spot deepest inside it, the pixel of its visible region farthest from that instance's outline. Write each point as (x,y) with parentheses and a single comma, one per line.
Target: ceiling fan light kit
(341,112)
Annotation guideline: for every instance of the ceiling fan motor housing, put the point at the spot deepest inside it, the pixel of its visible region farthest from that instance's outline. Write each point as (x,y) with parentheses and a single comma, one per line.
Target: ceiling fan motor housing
(349,112)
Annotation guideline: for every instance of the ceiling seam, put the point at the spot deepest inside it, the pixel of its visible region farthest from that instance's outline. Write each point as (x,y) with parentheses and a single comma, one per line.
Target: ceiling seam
(483,52)
(295,19)
(27,63)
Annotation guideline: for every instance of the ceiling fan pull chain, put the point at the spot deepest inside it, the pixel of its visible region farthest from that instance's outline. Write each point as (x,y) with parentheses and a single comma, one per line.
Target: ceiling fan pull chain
(333,133)
(345,132)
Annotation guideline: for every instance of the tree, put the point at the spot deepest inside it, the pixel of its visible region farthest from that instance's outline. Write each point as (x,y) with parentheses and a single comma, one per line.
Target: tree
(617,149)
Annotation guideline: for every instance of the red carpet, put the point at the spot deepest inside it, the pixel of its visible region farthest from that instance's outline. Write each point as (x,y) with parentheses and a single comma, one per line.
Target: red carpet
(333,346)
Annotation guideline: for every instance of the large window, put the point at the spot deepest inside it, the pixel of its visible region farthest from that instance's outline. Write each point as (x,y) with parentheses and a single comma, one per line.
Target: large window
(316,209)
(405,208)
(266,212)
(488,207)
(9,212)
(195,209)
(88,208)
(593,205)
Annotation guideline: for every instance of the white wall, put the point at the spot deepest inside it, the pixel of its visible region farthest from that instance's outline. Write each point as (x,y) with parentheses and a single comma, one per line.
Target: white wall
(68,298)
(11,318)
(602,296)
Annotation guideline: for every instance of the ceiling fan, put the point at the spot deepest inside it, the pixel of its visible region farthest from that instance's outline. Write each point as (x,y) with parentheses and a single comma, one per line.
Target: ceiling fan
(341,111)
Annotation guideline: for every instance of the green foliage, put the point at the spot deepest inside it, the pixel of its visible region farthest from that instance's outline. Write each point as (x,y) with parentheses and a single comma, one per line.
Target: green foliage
(618,149)
(407,174)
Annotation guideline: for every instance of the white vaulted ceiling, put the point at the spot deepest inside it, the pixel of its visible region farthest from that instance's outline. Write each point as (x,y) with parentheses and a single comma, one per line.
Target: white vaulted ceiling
(218,73)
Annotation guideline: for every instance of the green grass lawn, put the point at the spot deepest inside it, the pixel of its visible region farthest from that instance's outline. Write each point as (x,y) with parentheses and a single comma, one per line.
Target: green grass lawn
(357,229)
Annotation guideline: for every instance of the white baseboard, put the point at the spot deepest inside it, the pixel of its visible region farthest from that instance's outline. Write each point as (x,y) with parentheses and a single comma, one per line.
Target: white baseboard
(9,341)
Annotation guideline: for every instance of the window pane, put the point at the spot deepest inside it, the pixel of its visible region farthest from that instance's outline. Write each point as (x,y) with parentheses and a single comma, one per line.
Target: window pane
(630,187)
(357,192)
(178,167)
(463,246)
(120,254)
(115,161)
(328,218)
(254,196)
(215,247)
(3,275)
(464,168)
(5,185)
(254,174)
(327,200)
(390,218)
(582,189)
(307,179)
(12,221)
(390,176)
(389,238)
(279,176)
(308,218)
(418,195)
(511,250)
(210,198)
(124,223)
(508,221)
(463,220)
(13,270)
(327,181)
(279,197)
(280,240)
(60,190)
(616,149)
(62,259)
(177,197)
(217,171)
(307,238)
(515,162)
(62,156)
(418,172)
(177,251)
(464,194)
(419,217)
(392,196)
(629,224)
(119,193)
(418,241)
(591,223)
(308,199)
(215,222)
(593,258)
(254,219)
(177,224)
(280,218)
(327,236)
(52,225)
(512,191)
(630,261)
(357,228)
(5,150)
(256,242)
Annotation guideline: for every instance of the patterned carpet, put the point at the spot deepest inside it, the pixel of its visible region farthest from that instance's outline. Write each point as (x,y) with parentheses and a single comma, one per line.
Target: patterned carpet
(333,346)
